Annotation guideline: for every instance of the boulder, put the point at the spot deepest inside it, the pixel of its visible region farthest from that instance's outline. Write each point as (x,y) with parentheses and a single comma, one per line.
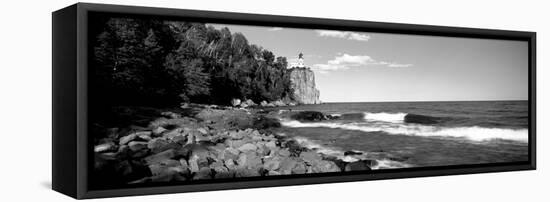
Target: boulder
(250,103)
(160,157)
(263,122)
(272,163)
(167,166)
(175,133)
(220,171)
(145,137)
(204,173)
(235,102)
(236,135)
(284,152)
(263,103)
(224,174)
(286,166)
(262,149)
(203,130)
(247,147)
(193,165)
(124,151)
(362,165)
(105,147)
(273,173)
(310,157)
(308,116)
(202,138)
(158,131)
(196,163)
(137,145)
(271,144)
(299,168)
(347,153)
(324,167)
(279,103)
(229,153)
(171,115)
(126,139)
(244,172)
(235,143)
(230,164)
(138,154)
(249,160)
(159,145)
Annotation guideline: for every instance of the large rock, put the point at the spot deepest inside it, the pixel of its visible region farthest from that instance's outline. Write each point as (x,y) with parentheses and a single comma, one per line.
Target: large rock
(160,157)
(264,103)
(292,166)
(203,174)
(302,80)
(175,133)
(220,171)
(324,167)
(168,167)
(250,103)
(250,160)
(229,153)
(308,116)
(171,115)
(159,145)
(310,157)
(133,136)
(137,145)
(272,163)
(244,172)
(105,147)
(362,165)
(248,147)
(263,122)
(235,102)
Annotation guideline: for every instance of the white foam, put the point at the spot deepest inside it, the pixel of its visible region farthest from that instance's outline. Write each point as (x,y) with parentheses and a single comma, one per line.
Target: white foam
(339,154)
(319,148)
(474,133)
(385,117)
(389,164)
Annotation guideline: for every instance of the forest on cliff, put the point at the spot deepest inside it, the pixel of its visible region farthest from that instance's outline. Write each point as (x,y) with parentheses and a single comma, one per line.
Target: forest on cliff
(162,63)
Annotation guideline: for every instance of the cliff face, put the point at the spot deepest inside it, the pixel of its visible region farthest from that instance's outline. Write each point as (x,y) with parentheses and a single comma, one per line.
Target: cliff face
(302,80)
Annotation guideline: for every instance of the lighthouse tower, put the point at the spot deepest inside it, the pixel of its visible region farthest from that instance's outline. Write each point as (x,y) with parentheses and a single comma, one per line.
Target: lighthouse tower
(300,62)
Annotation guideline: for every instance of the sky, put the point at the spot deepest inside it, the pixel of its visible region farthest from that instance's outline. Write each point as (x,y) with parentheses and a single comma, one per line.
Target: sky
(379,67)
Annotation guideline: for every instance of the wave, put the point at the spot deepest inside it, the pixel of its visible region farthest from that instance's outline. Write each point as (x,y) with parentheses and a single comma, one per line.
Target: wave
(473,133)
(385,117)
(382,163)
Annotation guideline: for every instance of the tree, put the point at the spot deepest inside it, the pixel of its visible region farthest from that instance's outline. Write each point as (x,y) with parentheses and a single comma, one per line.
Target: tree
(154,62)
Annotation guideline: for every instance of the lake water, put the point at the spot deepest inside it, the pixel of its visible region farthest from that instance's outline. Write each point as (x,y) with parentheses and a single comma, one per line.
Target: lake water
(416,134)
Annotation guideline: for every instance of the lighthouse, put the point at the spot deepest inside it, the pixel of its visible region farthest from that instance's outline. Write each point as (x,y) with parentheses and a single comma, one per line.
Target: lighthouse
(300,63)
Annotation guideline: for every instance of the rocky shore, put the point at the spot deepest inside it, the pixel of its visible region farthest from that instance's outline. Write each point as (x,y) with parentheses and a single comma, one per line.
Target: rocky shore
(212,143)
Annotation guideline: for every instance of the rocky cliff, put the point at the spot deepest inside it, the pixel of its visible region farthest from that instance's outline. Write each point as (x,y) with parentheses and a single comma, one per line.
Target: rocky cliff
(302,80)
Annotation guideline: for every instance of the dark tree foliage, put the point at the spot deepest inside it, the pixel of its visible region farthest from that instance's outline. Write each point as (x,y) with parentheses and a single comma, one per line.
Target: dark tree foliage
(162,63)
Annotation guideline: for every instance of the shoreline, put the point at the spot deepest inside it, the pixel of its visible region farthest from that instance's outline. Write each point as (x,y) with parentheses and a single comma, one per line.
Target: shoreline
(203,142)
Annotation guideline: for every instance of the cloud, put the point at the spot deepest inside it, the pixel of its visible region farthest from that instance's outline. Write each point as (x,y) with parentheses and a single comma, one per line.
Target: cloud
(343,35)
(346,61)
(273,29)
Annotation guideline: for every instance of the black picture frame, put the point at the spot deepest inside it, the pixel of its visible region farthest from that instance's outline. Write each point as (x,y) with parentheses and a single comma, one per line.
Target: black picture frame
(71,151)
